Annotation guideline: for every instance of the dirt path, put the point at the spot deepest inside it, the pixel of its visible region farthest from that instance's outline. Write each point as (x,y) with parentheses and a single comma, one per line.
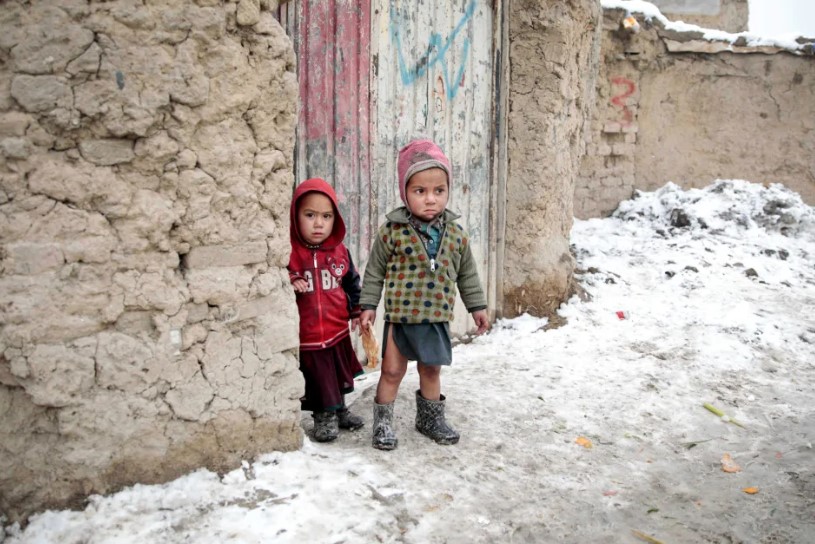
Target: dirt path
(518,476)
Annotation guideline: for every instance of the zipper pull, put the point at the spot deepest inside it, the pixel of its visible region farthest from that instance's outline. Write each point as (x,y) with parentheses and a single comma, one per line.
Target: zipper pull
(314,254)
(432,265)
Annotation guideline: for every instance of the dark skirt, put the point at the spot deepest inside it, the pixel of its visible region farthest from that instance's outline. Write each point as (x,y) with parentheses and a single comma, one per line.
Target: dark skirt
(427,343)
(329,374)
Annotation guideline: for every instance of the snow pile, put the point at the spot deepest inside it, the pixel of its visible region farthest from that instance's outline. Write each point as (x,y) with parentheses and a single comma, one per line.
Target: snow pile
(650,11)
(669,254)
(730,207)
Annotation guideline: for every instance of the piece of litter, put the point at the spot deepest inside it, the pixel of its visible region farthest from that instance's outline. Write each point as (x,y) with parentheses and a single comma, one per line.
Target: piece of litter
(750,490)
(583,441)
(631,24)
(725,417)
(729,465)
(370,345)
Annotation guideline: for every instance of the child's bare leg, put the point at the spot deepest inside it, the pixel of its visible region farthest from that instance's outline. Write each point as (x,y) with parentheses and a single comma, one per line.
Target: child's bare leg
(394,366)
(429,381)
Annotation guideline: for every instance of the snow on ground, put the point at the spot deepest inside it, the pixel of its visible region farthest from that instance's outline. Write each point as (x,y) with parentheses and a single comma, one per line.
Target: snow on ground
(717,293)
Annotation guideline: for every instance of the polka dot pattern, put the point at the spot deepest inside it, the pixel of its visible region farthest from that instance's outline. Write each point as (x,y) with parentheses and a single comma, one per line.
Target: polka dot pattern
(415,291)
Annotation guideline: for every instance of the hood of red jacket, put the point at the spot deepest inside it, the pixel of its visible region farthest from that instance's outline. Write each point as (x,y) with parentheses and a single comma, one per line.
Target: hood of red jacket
(317,185)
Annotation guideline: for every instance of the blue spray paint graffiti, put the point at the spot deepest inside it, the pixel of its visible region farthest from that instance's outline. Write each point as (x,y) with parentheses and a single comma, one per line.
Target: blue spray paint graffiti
(430,58)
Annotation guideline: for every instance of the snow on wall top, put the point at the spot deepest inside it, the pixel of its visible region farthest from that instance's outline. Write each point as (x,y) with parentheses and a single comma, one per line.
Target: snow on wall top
(789,42)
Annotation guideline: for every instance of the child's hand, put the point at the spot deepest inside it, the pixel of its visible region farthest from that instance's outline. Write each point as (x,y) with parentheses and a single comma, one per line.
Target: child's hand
(300,285)
(367,318)
(355,324)
(481,321)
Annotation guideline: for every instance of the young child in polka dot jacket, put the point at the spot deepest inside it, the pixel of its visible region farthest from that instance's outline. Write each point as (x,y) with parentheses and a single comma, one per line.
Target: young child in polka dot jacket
(420,256)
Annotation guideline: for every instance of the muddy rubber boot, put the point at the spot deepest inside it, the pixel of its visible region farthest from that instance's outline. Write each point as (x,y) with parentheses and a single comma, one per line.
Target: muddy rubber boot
(326,426)
(430,420)
(347,420)
(384,437)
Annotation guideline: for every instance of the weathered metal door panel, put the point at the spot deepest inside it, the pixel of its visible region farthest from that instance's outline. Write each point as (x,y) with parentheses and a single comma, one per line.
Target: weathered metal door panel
(434,76)
(332,43)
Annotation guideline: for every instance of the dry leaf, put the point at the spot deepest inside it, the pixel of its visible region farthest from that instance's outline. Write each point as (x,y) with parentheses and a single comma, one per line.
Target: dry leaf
(729,465)
(583,441)
(370,345)
(750,490)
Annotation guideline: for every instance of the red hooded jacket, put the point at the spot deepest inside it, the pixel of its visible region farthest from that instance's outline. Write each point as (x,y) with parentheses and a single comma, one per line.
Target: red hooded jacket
(334,287)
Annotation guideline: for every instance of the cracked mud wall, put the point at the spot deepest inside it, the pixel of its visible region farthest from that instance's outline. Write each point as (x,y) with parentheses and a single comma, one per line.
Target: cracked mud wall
(693,114)
(554,47)
(148,327)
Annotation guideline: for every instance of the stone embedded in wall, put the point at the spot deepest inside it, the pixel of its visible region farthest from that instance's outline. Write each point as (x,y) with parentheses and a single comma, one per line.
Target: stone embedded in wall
(107,152)
(248,12)
(145,175)
(249,253)
(47,46)
(41,93)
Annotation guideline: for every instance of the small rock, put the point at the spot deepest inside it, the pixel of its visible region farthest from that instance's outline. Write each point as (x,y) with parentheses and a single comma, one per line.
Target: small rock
(107,152)
(751,273)
(15,148)
(248,12)
(772,207)
(679,218)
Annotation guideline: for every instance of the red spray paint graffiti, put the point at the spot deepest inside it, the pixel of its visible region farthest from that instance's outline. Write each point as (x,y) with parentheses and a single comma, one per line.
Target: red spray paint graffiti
(621,100)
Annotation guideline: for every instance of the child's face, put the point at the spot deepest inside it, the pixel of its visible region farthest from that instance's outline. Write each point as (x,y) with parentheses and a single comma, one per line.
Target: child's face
(315,218)
(427,194)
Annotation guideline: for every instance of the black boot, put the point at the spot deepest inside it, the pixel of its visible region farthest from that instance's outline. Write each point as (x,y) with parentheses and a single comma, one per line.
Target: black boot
(384,438)
(349,421)
(326,426)
(430,420)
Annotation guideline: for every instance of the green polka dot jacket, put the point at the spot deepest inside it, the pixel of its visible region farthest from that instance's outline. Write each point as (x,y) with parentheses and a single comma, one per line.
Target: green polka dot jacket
(418,289)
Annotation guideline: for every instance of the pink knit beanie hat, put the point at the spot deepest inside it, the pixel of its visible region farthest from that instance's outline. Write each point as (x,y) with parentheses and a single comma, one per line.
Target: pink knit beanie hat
(420,154)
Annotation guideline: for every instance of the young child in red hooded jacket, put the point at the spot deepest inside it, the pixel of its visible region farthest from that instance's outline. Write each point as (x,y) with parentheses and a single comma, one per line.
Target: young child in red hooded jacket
(327,288)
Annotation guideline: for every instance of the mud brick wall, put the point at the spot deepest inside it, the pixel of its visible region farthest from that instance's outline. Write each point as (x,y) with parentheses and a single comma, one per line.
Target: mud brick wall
(554,48)
(673,107)
(148,327)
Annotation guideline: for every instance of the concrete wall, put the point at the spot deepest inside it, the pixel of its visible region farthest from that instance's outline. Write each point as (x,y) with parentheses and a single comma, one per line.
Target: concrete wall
(145,174)
(729,15)
(695,115)
(553,62)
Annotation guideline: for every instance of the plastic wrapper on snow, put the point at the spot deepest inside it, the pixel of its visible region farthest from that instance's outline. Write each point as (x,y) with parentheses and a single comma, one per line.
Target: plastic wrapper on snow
(726,207)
